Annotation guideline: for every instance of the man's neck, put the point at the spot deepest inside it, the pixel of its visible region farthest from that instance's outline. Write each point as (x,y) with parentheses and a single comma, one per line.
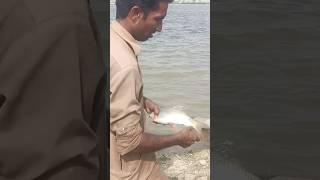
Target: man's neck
(124,24)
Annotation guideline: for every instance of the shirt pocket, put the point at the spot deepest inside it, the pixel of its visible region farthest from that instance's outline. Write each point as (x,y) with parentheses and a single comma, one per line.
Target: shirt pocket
(130,163)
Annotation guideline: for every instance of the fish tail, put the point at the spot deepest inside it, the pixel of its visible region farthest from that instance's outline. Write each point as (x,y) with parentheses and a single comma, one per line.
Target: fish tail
(197,126)
(201,129)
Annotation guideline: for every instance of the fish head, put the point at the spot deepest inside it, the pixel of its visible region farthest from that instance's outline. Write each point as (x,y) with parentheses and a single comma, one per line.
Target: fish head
(173,117)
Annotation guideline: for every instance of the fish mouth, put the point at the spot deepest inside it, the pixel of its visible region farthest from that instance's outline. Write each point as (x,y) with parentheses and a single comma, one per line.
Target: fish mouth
(156,122)
(152,34)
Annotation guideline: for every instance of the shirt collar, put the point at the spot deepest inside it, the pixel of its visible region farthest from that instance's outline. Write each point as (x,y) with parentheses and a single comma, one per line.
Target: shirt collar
(125,35)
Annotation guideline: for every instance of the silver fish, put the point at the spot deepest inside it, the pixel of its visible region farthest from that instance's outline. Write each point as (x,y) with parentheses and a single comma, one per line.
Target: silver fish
(174,116)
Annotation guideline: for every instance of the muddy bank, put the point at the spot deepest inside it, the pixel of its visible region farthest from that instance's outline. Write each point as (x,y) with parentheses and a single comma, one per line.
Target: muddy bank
(192,163)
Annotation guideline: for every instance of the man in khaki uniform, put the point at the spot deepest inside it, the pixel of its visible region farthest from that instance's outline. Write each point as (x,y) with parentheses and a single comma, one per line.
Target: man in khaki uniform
(131,149)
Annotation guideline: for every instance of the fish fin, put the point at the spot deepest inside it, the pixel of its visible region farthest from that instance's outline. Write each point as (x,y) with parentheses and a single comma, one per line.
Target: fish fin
(199,128)
(196,126)
(173,127)
(177,108)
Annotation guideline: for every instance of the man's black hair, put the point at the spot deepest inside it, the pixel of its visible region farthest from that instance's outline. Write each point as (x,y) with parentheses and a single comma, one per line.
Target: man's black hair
(124,6)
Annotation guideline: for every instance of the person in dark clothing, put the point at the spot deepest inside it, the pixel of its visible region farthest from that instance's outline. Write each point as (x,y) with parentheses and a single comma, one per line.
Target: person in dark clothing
(52,78)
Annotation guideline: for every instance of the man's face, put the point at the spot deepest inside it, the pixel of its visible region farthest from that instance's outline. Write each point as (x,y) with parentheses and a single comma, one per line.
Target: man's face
(152,22)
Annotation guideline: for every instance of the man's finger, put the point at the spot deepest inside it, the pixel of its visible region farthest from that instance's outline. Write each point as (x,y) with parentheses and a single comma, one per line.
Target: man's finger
(157,111)
(197,136)
(155,116)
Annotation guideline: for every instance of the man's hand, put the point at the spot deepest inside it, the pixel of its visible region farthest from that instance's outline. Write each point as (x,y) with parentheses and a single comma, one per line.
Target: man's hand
(151,142)
(188,136)
(151,107)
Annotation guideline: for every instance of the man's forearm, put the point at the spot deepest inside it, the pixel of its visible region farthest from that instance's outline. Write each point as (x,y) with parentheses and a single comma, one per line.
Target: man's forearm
(144,102)
(152,143)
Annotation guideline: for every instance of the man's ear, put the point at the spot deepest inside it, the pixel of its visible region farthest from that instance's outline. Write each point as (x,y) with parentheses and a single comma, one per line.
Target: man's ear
(135,14)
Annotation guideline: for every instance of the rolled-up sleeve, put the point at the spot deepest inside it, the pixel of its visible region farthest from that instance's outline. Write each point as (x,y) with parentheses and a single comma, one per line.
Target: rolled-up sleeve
(126,109)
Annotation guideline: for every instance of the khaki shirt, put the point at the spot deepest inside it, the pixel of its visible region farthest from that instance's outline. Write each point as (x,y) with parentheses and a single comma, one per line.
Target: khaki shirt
(127,114)
(51,90)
